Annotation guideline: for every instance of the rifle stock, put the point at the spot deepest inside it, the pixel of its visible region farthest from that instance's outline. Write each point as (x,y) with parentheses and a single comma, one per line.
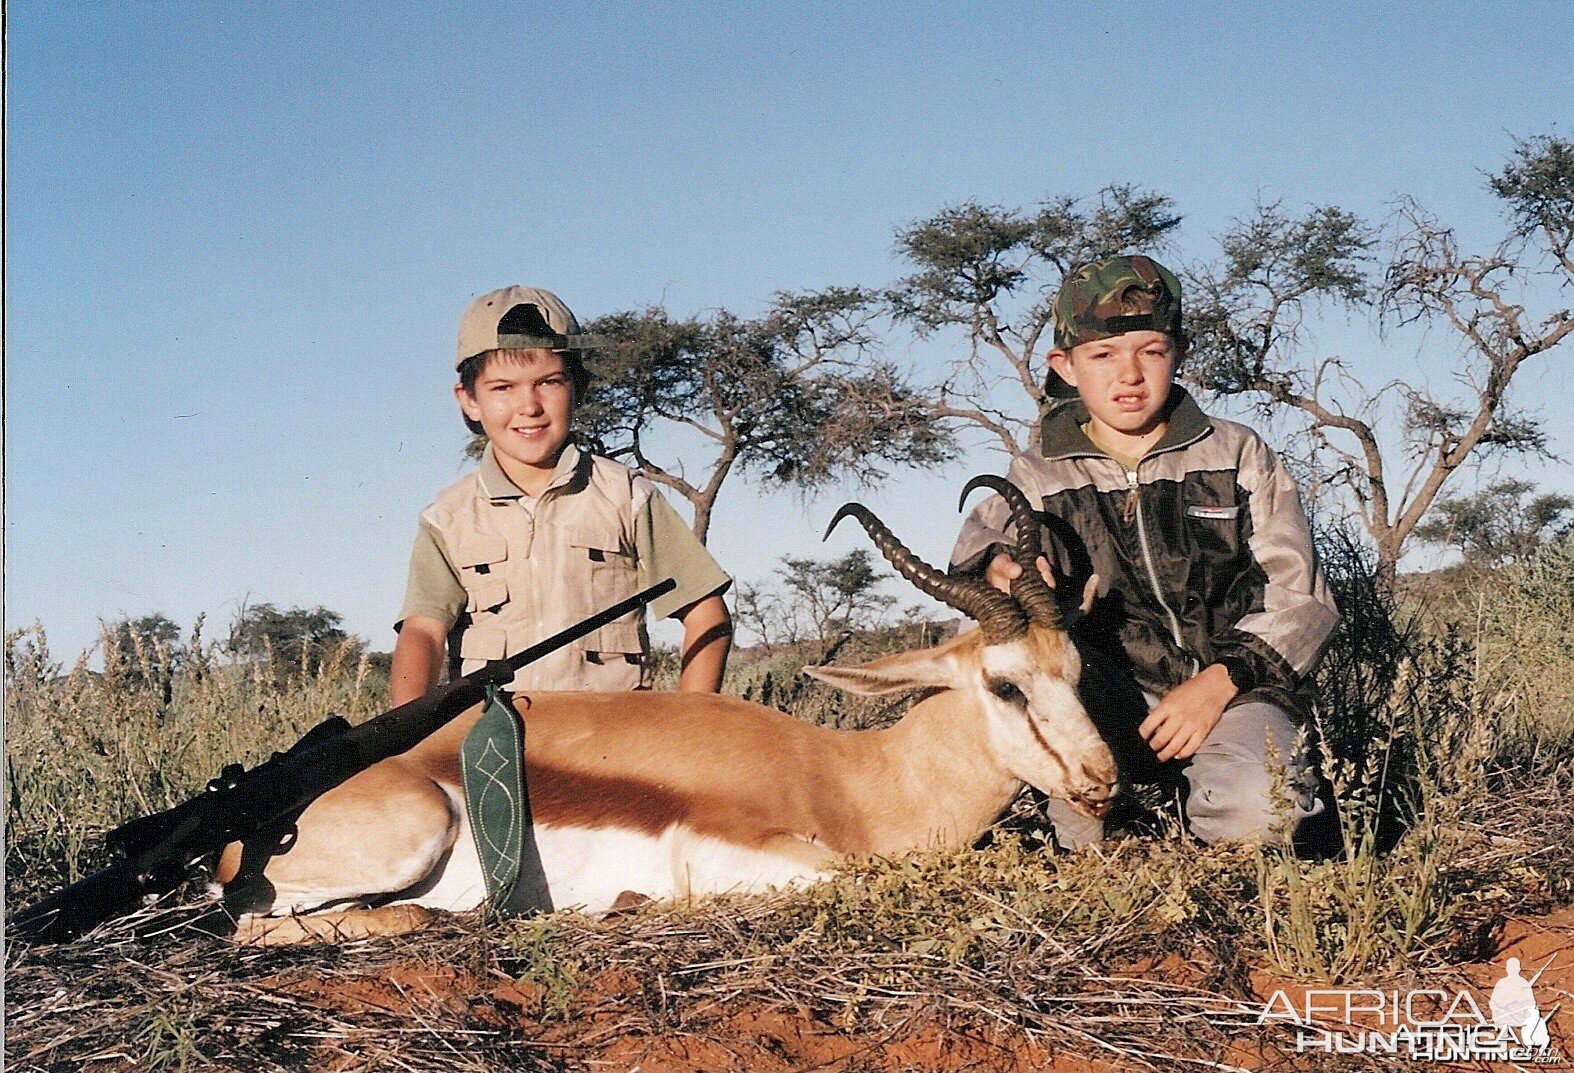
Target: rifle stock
(161,848)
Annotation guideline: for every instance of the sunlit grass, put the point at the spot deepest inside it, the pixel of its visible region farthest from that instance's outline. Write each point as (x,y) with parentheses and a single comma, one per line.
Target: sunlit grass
(1425,733)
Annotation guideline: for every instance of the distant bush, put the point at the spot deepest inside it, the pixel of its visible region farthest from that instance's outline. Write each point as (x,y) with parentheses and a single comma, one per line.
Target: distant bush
(289,639)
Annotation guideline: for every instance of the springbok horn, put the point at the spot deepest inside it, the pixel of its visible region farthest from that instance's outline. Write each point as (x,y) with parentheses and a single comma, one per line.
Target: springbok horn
(996,613)
(1030,589)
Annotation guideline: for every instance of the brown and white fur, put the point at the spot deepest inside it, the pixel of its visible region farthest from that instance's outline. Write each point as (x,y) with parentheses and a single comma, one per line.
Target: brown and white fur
(674,795)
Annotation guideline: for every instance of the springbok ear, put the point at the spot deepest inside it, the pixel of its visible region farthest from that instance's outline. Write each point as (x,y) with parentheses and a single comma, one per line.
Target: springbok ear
(1090,592)
(1070,617)
(925,669)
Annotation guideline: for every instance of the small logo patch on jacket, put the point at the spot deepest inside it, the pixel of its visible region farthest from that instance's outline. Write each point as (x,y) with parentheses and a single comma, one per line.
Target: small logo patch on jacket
(1213,514)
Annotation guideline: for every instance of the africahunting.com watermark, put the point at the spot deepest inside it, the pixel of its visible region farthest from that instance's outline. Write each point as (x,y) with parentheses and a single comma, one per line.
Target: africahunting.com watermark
(1427,1024)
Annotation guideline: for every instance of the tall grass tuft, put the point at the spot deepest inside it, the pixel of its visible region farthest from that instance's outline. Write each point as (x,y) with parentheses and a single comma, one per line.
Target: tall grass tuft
(1523,640)
(1422,732)
(86,751)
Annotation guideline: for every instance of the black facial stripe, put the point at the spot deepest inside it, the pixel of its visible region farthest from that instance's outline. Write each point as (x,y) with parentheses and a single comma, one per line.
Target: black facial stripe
(1038,736)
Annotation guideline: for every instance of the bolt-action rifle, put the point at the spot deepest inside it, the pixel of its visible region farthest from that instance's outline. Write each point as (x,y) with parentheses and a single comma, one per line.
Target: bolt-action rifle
(157,852)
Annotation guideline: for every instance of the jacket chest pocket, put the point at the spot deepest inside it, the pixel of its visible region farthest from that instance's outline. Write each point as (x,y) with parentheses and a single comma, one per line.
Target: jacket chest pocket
(1214,529)
(479,559)
(612,575)
(616,643)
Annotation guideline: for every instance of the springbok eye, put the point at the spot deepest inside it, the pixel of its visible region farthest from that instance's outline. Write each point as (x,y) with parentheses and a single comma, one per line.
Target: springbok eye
(1006,691)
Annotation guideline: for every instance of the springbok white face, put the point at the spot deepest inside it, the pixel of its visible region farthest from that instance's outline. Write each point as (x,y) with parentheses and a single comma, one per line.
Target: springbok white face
(1038,726)
(1027,687)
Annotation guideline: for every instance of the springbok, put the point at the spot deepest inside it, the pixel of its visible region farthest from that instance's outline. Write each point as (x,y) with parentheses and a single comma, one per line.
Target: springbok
(669,795)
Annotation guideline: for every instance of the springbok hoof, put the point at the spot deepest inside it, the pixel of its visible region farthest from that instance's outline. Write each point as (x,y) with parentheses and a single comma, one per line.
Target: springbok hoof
(626,902)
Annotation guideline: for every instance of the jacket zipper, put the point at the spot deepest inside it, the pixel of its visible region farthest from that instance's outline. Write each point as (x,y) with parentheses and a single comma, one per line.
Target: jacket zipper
(1134,507)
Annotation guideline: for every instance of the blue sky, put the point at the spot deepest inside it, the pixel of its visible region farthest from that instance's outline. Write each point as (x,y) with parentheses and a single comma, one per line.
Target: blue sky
(238,238)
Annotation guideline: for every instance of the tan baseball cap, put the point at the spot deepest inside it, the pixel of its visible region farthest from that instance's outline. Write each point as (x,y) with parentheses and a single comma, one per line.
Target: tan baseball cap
(521,318)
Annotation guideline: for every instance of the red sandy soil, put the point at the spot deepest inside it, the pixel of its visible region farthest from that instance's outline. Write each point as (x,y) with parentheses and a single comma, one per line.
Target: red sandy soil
(716,1036)
(597,1032)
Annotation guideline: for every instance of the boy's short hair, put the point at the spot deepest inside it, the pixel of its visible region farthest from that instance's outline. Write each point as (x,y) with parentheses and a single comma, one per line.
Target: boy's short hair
(1127,293)
(511,321)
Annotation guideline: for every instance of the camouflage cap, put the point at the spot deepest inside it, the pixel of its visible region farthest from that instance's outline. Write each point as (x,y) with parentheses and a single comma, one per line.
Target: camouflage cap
(1128,293)
(522,318)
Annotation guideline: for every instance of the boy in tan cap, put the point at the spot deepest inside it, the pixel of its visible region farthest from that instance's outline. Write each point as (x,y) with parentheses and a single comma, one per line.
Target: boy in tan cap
(1213,610)
(546,533)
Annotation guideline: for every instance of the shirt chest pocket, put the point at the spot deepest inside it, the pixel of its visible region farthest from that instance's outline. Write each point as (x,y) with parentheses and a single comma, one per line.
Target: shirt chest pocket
(601,560)
(480,558)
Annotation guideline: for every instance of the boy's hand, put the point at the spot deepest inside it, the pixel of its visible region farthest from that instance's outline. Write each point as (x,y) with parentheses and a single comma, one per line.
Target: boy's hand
(1003,570)
(1178,725)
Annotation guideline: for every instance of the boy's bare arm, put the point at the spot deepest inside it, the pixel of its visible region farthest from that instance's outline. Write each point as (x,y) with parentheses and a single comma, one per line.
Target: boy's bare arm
(707,638)
(417,658)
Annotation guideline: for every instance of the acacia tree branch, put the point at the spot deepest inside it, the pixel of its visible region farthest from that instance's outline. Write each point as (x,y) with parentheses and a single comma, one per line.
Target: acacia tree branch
(1407,495)
(706,501)
(663,476)
(1024,371)
(1369,485)
(689,422)
(1454,450)
(1559,241)
(1431,276)
(1035,331)
(995,424)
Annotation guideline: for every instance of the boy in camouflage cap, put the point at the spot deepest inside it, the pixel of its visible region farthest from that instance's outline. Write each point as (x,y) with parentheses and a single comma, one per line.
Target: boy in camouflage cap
(1213,609)
(546,533)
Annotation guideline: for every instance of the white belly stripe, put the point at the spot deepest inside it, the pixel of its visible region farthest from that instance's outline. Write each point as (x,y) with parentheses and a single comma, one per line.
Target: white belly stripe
(587,868)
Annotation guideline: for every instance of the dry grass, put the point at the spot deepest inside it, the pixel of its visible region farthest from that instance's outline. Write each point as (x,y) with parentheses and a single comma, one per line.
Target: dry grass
(1139,951)
(85,751)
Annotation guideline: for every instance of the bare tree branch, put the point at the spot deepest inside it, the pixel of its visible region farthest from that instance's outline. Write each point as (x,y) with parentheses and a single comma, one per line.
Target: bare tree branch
(1247,322)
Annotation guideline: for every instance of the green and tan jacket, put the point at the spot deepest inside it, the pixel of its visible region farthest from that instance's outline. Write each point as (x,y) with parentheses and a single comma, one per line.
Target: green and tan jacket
(1203,550)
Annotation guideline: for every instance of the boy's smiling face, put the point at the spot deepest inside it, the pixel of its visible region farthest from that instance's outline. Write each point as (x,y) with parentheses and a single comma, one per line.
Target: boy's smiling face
(1124,381)
(524,401)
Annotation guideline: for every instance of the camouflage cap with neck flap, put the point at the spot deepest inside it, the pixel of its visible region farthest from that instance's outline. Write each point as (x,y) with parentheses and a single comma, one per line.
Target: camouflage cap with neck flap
(1128,293)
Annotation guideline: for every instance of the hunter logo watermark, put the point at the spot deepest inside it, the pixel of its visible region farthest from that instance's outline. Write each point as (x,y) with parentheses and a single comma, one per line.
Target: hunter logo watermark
(1430,1024)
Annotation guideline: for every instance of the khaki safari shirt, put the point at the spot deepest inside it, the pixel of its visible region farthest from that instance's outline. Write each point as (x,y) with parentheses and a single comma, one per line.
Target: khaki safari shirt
(502,570)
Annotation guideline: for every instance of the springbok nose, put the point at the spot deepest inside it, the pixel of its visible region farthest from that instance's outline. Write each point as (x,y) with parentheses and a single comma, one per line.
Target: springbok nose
(1101,772)
(1098,789)
(1096,792)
